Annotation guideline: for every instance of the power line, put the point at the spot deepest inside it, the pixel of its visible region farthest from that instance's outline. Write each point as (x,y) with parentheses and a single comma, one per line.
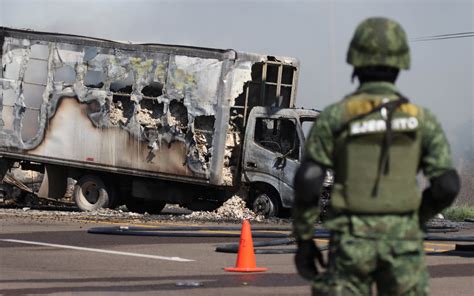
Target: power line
(444,36)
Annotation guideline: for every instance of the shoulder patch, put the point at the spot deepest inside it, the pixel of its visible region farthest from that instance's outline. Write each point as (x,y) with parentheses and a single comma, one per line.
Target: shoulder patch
(410,109)
(356,107)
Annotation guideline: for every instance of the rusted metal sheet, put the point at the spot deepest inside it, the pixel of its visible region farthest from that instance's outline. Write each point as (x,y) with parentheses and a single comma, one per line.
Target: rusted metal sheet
(169,110)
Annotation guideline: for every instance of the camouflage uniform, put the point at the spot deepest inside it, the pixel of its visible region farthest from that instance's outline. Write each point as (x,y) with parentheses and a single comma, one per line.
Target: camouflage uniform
(382,247)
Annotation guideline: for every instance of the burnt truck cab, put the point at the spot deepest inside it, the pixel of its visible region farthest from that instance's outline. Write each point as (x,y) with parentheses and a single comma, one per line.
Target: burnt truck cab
(273,149)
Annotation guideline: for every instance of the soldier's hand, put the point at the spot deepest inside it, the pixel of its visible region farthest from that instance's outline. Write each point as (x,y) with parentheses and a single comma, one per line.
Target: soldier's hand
(305,257)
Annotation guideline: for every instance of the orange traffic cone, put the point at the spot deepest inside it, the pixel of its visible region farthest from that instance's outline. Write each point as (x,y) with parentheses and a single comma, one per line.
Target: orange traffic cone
(246,256)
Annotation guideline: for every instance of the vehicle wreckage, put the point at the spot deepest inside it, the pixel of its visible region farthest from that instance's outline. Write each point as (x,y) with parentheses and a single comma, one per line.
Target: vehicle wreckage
(150,124)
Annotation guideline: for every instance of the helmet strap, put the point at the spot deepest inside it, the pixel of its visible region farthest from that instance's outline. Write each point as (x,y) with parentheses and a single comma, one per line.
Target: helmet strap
(353,75)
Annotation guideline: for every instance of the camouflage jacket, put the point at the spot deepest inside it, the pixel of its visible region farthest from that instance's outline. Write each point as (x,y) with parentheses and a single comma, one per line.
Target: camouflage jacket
(322,147)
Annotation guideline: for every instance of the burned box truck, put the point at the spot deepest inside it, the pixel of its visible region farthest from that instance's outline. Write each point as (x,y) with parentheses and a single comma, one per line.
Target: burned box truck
(150,124)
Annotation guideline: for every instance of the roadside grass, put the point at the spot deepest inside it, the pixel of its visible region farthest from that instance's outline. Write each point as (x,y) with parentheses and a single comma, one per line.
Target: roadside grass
(459,213)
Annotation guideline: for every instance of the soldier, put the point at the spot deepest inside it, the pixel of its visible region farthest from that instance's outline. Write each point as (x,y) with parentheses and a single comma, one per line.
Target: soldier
(375,141)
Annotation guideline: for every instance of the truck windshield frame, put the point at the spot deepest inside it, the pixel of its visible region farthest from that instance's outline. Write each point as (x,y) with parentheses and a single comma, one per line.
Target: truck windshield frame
(305,127)
(273,133)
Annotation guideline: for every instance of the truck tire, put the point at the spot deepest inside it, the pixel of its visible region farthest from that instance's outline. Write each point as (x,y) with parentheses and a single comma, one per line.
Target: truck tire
(266,204)
(138,205)
(90,194)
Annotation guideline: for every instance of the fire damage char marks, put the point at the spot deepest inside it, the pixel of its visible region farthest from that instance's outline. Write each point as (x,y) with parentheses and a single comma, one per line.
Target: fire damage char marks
(231,154)
(159,96)
(178,116)
(203,136)
(113,146)
(148,95)
(121,110)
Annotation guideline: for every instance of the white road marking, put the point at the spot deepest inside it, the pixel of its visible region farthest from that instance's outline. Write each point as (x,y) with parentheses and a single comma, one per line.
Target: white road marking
(97,250)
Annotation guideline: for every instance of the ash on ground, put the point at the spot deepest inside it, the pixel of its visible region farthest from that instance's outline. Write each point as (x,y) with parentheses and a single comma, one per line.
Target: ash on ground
(233,209)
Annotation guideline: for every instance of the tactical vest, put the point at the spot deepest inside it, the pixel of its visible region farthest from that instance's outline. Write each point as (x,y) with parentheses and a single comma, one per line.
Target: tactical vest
(371,178)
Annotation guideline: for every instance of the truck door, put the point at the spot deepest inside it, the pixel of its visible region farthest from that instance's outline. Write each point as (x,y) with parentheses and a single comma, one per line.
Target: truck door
(289,160)
(272,150)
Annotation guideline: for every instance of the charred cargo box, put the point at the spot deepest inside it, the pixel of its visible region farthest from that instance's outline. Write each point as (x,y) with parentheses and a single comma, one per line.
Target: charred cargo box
(149,124)
(150,110)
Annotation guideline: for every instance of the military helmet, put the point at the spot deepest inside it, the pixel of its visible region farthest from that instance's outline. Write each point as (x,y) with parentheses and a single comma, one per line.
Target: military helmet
(379,41)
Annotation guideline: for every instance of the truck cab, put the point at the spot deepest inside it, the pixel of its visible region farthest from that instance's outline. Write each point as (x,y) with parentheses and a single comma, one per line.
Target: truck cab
(273,149)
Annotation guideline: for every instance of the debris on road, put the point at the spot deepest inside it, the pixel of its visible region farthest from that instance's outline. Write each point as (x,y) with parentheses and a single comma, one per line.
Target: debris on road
(233,209)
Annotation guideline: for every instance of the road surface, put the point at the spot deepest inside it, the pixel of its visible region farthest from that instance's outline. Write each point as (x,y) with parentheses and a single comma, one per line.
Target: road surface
(61,258)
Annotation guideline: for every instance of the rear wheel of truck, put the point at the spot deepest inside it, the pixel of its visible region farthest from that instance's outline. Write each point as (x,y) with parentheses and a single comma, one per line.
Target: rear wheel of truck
(138,205)
(91,193)
(266,204)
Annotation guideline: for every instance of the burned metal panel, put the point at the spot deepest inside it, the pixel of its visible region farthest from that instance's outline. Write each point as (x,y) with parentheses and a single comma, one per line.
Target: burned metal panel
(94,42)
(147,107)
(185,87)
(71,134)
(255,85)
(222,119)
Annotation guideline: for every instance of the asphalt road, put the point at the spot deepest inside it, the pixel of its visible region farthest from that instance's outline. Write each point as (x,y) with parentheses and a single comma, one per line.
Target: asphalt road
(61,258)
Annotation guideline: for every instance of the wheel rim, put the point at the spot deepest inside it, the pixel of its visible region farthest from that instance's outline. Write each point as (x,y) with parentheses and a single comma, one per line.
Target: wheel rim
(263,205)
(91,192)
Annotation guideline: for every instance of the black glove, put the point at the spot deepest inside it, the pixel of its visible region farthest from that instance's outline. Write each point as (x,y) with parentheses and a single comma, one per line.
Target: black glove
(440,195)
(304,259)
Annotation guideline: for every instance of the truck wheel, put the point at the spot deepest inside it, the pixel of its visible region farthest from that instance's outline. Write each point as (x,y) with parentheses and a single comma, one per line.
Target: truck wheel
(266,205)
(90,193)
(138,205)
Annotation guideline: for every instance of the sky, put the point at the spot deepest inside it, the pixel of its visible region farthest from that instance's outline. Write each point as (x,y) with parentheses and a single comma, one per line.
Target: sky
(316,32)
